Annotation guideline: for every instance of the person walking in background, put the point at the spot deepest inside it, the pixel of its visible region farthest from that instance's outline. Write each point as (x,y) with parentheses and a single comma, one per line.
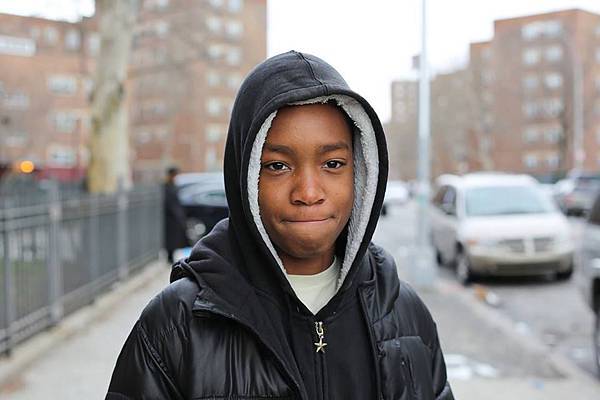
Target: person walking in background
(175,236)
(288,298)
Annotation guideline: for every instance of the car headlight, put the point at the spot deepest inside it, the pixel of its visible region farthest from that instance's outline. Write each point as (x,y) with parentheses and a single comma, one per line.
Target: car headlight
(563,239)
(488,243)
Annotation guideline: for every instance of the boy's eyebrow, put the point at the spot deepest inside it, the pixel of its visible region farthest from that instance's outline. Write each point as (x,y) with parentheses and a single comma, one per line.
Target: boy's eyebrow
(326,148)
(279,148)
(333,146)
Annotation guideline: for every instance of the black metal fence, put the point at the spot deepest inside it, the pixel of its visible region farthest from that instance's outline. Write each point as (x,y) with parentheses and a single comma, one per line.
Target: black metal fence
(57,253)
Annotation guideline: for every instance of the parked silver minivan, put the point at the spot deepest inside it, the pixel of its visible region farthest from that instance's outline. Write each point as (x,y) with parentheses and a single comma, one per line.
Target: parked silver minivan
(499,224)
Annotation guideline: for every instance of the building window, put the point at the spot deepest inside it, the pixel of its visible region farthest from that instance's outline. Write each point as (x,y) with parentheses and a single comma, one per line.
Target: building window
(72,40)
(235,28)
(211,159)
(553,80)
(94,44)
(214,24)
(234,80)
(235,5)
(537,29)
(552,160)
(553,53)
(162,4)
(212,78)
(62,84)
(531,56)
(61,156)
(16,46)
(234,56)
(16,138)
(531,134)
(553,134)
(16,101)
(531,82)
(487,77)
(161,28)
(530,109)
(213,106)
(214,132)
(64,121)
(51,35)
(552,107)
(215,51)
(530,160)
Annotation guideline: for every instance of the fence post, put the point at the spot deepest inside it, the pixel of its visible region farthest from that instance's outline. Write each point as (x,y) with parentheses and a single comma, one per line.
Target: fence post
(9,287)
(55,270)
(94,258)
(122,239)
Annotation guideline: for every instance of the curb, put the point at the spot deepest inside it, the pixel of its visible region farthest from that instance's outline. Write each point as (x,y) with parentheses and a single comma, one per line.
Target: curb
(32,349)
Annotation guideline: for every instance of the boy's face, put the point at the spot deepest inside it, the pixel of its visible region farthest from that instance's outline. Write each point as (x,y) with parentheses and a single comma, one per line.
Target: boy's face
(306,186)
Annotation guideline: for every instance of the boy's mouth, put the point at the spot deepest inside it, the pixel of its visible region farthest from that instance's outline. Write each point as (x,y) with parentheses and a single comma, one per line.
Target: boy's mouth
(307,220)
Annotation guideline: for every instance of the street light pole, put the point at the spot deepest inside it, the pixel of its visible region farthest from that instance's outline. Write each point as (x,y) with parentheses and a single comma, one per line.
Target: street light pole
(424,273)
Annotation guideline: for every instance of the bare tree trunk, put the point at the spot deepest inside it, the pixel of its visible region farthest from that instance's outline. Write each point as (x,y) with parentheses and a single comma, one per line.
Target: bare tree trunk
(109,145)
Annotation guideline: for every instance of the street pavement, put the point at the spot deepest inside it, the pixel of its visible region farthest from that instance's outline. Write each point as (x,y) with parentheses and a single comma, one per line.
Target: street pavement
(488,352)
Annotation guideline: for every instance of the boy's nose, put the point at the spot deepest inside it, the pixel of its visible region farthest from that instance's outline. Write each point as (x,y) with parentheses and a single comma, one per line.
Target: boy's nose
(307,190)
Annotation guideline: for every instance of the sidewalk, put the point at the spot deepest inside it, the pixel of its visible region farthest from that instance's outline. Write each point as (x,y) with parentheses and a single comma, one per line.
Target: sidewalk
(75,359)
(486,357)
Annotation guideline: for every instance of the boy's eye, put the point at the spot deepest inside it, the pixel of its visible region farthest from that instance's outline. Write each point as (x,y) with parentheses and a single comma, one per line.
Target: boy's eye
(334,164)
(276,166)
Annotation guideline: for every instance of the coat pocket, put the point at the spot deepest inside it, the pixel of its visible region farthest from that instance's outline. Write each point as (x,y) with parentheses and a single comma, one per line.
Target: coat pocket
(405,365)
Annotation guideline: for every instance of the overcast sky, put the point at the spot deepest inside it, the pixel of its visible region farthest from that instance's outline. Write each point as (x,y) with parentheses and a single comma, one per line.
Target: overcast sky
(370,42)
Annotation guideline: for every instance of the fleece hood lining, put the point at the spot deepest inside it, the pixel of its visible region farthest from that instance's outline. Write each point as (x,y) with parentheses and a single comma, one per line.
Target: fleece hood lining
(366,173)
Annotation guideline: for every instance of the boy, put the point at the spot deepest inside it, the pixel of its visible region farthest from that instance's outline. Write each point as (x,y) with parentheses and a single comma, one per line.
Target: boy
(287,298)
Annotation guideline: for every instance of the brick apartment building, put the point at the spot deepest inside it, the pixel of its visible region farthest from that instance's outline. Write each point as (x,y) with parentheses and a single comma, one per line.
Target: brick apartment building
(519,88)
(187,62)
(532,63)
(452,113)
(44,86)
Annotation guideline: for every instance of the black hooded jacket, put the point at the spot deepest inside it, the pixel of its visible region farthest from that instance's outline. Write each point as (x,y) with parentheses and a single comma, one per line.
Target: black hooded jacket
(230,326)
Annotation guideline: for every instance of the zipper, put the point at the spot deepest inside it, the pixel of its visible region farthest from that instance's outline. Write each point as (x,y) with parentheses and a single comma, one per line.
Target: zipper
(320,347)
(374,349)
(278,359)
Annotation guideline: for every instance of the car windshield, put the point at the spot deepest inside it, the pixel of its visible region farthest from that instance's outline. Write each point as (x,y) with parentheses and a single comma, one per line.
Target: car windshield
(506,200)
(587,184)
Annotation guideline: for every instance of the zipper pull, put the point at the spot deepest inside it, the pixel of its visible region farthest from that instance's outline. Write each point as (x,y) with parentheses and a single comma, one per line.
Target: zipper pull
(320,345)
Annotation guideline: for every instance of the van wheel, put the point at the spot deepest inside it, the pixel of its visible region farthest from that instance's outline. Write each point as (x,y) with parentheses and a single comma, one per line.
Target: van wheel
(438,258)
(596,343)
(564,275)
(463,269)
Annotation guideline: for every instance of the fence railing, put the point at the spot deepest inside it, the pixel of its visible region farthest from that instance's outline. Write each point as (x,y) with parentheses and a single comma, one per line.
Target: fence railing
(57,254)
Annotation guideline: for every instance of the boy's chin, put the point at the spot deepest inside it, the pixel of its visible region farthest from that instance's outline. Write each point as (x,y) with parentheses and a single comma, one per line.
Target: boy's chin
(307,251)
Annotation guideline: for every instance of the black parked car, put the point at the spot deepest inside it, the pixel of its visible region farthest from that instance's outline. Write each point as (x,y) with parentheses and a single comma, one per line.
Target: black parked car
(589,277)
(205,204)
(575,195)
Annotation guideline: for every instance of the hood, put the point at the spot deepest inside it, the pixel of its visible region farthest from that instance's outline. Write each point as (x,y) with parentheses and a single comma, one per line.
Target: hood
(289,79)
(501,227)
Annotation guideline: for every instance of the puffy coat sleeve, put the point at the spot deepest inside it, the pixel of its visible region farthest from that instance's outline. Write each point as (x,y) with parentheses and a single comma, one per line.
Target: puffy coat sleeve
(441,386)
(140,372)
